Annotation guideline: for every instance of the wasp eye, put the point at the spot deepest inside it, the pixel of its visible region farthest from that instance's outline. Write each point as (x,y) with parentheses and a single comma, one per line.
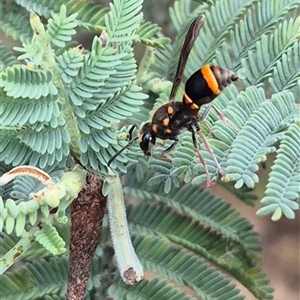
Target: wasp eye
(146,138)
(147,142)
(144,144)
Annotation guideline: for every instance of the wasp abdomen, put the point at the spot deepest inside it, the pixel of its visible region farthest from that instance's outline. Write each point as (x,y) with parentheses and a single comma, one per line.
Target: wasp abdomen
(223,77)
(207,83)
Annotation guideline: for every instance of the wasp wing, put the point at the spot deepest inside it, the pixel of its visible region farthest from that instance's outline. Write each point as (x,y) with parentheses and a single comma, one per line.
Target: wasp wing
(187,46)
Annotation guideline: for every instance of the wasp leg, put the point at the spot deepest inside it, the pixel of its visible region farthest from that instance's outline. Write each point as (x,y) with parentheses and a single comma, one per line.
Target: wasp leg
(220,115)
(210,151)
(162,144)
(166,157)
(203,117)
(163,154)
(205,113)
(224,119)
(209,183)
(171,147)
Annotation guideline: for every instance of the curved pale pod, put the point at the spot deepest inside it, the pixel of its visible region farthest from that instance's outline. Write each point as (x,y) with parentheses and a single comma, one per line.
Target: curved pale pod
(128,263)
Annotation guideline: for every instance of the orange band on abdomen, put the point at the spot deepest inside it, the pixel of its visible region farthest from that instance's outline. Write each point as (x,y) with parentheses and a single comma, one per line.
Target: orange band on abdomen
(210,79)
(187,99)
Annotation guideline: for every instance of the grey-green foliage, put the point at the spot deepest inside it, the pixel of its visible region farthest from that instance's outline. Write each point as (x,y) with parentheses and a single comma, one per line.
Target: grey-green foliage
(58,99)
(259,39)
(181,238)
(73,99)
(69,100)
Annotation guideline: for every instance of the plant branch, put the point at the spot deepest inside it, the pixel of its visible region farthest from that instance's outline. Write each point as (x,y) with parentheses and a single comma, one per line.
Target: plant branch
(87,212)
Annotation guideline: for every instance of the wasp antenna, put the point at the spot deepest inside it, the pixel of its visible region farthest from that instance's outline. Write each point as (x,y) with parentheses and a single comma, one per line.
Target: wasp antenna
(131,131)
(131,140)
(125,147)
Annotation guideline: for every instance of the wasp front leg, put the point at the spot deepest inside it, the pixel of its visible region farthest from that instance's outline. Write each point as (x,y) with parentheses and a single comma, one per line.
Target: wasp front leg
(161,144)
(164,153)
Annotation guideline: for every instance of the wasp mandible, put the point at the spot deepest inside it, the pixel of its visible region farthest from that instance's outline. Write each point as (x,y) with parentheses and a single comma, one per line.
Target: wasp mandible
(174,118)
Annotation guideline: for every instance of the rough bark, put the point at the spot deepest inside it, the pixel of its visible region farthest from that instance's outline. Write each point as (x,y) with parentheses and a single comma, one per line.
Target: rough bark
(87,212)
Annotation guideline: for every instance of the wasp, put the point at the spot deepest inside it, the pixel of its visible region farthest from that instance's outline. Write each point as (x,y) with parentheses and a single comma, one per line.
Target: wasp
(174,117)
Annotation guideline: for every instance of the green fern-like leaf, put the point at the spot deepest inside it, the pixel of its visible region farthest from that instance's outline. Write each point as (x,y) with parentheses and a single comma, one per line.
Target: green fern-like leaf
(286,75)
(14,23)
(42,8)
(115,83)
(244,35)
(122,20)
(193,209)
(7,57)
(145,34)
(258,136)
(283,187)
(43,279)
(263,68)
(180,218)
(50,239)
(18,81)
(153,288)
(61,28)
(90,15)
(69,64)
(35,280)
(7,242)
(43,148)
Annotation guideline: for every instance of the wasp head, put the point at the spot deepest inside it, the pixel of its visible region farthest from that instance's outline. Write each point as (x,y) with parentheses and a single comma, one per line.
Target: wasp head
(147,138)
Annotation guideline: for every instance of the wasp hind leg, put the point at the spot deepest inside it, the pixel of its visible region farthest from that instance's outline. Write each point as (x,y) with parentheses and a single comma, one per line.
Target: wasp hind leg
(209,182)
(202,118)
(220,115)
(210,151)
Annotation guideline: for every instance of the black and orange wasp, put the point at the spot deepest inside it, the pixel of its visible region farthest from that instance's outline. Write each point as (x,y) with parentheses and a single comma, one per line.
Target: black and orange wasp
(174,118)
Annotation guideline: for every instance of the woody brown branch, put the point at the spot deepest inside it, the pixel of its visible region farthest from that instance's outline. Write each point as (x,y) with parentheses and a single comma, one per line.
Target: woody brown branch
(87,212)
